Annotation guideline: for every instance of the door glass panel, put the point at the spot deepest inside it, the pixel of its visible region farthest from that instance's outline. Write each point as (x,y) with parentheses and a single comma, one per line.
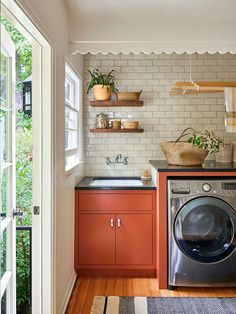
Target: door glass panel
(4,303)
(7,195)
(3,134)
(3,253)
(204,230)
(3,79)
(3,194)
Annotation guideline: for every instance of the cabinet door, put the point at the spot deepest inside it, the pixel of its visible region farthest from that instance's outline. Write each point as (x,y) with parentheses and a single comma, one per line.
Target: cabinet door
(134,239)
(96,239)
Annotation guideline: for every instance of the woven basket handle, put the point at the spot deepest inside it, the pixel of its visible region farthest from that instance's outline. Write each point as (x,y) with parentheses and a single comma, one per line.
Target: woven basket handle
(184,134)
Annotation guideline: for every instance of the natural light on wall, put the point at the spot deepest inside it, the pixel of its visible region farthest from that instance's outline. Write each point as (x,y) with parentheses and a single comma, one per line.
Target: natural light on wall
(72,118)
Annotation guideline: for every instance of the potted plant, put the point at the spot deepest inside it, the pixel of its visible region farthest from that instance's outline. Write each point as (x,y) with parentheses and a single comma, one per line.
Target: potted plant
(101,84)
(194,150)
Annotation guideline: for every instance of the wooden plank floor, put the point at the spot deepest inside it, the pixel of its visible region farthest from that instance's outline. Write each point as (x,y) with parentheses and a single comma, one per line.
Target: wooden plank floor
(86,288)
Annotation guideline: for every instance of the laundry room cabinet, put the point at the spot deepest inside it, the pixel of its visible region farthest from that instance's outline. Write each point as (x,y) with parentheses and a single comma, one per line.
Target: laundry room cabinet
(134,239)
(164,172)
(118,235)
(96,239)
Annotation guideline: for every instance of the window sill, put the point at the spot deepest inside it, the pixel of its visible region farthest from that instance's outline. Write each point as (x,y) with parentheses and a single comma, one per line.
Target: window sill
(74,169)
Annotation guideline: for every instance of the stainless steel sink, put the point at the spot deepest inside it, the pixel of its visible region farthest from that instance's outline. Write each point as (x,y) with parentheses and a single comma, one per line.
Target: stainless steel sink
(118,182)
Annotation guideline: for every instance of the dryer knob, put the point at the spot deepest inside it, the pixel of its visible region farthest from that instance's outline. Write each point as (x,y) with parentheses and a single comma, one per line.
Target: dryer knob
(206,187)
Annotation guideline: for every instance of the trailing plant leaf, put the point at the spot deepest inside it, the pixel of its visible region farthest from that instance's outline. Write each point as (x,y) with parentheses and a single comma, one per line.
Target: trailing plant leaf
(207,140)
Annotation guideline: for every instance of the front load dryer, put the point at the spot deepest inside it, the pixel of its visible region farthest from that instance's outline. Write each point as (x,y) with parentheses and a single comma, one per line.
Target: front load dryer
(202,232)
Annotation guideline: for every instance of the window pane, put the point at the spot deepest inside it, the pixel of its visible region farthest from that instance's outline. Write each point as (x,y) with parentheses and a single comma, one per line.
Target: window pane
(3,134)
(71,119)
(70,139)
(71,161)
(3,194)
(3,252)
(3,79)
(70,91)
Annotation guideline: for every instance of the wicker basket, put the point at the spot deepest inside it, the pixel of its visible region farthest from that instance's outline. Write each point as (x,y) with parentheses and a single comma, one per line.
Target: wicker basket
(128,96)
(181,153)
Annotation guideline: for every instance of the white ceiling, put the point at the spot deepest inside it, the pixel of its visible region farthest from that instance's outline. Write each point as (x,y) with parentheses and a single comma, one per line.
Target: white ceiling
(153,21)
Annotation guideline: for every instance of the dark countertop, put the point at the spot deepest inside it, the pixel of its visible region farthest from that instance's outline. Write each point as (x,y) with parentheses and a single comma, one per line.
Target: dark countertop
(85,184)
(208,166)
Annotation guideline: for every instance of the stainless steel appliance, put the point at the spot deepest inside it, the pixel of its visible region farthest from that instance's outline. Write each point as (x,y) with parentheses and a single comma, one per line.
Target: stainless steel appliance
(202,232)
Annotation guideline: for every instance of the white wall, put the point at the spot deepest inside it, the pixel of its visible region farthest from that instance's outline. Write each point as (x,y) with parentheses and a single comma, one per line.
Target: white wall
(151,20)
(53,16)
(163,116)
(151,25)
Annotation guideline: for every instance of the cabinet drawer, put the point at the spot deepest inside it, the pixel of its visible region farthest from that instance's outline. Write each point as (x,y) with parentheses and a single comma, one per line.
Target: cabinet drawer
(114,201)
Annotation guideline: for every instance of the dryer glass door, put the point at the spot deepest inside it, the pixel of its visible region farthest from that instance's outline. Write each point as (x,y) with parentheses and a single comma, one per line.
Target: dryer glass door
(204,229)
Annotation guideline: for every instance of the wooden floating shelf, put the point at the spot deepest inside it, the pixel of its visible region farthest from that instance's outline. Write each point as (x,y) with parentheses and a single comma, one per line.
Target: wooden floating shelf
(116,130)
(116,103)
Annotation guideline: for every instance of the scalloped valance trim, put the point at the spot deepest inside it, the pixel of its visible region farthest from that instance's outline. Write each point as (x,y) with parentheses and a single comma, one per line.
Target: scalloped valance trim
(147,47)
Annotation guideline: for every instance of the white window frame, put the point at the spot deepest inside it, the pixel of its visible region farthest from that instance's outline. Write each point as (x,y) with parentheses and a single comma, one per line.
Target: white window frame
(72,75)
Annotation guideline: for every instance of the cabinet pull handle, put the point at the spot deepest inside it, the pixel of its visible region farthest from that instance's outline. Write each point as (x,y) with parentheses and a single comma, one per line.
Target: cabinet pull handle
(112,222)
(118,223)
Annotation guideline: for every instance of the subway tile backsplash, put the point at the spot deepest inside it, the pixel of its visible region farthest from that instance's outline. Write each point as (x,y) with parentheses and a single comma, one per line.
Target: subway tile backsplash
(163,117)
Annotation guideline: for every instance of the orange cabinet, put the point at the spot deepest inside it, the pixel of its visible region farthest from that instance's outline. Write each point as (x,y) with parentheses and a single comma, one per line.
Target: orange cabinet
(115,230)
(134,242)
(111,200)
(96,239)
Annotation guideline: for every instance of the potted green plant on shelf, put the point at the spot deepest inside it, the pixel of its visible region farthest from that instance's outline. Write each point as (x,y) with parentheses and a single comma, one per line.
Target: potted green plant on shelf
(101,84)
(194,150)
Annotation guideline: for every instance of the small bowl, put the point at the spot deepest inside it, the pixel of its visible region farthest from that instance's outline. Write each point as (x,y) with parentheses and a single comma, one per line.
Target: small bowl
(131,125)
(128,96)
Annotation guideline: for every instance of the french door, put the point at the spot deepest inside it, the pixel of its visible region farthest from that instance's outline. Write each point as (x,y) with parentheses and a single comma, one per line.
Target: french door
(7,176)
(43,262)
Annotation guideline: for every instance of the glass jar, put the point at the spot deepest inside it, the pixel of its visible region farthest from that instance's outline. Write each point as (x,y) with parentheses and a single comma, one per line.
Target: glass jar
(102,121)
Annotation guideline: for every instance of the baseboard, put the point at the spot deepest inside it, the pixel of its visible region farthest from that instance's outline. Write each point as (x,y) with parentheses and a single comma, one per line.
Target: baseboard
(67,295)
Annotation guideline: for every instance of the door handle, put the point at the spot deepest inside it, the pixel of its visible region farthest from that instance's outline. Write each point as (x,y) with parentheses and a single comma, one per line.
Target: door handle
(112,223)
(17,213)
(118,223)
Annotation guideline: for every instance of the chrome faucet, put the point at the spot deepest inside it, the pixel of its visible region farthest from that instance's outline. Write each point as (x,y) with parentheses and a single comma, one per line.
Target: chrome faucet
(108,161)
(118,160)
(125,161)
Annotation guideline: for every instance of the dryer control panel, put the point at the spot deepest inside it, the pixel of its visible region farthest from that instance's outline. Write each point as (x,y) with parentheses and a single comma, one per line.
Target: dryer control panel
(221,187)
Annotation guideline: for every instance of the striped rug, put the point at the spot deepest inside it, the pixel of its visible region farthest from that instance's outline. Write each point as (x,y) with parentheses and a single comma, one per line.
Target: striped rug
(150,305)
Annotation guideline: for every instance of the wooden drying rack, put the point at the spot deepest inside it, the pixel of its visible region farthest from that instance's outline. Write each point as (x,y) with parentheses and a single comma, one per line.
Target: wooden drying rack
(200,87)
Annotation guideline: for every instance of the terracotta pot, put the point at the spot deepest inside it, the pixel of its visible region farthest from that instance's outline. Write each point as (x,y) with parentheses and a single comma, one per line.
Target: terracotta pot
(102,92)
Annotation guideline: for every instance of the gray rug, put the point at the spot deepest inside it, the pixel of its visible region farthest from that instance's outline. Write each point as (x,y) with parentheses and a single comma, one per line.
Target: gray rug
(151,305)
